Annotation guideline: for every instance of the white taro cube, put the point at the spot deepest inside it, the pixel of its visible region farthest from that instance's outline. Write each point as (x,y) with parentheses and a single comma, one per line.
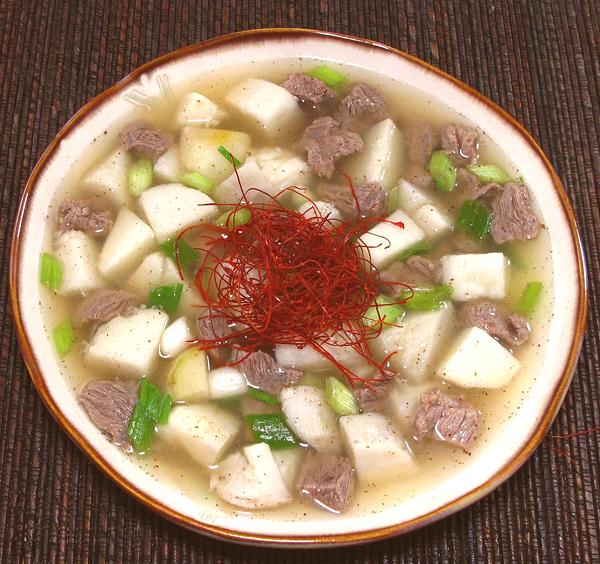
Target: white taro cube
(411,197)
(78,254)
(176,338)
(167,167)
(476,360)
(403,401)
(432,220)
(109,178)
(386,240)
(309,416)
(170,208)
(250,176)
(188,376)
(128,345)
(416,341)
(197,109)
(226,382)
(198,150)
(282,167)
(378,452)
(251,478)
(268,105)
(129,240)
(383,157)
(320,209)
(203,430)
(474,276)
(289,461)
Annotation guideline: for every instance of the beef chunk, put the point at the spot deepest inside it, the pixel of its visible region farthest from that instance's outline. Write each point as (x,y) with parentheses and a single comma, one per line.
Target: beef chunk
(79,215)
(461,143)
(109,405)
(145,142)
(415,271)
(372,398)
(362,107)
(511,329)
(325,142)
(370,199)
(421,140)
(328,479)
(419,177)
(307,88)
(446,418)
(485,191)
(513,217)
(103,305)
(261,370)
(211,328)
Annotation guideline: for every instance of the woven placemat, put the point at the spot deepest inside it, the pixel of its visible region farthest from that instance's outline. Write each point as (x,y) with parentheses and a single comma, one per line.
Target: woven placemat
(537,59)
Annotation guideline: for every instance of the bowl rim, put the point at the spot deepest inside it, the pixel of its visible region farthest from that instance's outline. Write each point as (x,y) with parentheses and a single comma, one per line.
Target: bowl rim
(309,540)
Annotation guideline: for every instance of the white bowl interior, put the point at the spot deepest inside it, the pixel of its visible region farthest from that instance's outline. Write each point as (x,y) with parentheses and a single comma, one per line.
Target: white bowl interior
(546,370)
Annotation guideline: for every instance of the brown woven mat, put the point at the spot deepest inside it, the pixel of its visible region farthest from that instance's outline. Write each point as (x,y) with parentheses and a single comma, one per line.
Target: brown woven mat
(537,59)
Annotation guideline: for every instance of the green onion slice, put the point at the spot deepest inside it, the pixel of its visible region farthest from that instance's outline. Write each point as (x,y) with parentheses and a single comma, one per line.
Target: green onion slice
(419,248)
(232,219)
(271,429)
(443,171)
(328,75)
(231,158)
(50,272)
(489,173)
(386,311)
(263,396)
(426,299)
(198,181)
(392,200)
(141,429)
(474,219)
(64,338)
(529,299)
(340,398)
(187,255)
(139,176)
(166,297)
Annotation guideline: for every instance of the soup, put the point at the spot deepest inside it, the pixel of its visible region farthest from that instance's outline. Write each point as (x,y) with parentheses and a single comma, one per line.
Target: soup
(296,289)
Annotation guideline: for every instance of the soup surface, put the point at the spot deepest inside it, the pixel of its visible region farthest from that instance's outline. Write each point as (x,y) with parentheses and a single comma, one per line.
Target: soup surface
(330,327)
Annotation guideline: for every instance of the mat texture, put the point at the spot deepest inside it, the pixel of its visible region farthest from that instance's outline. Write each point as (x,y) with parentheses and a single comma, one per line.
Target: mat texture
(537,59)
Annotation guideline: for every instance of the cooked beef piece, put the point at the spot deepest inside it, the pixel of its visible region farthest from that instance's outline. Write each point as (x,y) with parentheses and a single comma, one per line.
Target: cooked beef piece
(513,217)
(446,418)
(485,191)
(362,107)
(461,143)
(415,271)
(79,215)
(211,329)
(145,142)
(466,183)
(103,305)
(307,88)
(109,405)
(419,177)
(325,142)
(328,479)
(261,370)
(421,140)
(512,329)
(372,398)
(370,199)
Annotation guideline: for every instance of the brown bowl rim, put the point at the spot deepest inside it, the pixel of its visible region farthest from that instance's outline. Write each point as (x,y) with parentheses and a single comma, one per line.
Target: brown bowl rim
(308,540)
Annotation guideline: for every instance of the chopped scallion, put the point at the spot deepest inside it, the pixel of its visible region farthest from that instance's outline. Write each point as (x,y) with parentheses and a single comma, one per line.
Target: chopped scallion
(141,429)
(50,272)
(231,158)
(529,299)
(139,176)
(64,338)
(328,75)
(340,398)
(426,299)
(392,200)
(386,311)
(443,171)
(417,249)
(271,429)
(232,219)
(489,173)
(198,181)
(171,248)
(474,219)
(166,297)
(263,396)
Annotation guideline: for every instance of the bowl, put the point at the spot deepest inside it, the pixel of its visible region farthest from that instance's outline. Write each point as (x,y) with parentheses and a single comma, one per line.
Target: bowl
(504,452)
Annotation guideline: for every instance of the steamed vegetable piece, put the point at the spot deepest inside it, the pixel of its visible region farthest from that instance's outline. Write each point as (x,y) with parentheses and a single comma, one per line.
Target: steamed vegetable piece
(176,338)
(50,272)
(166,298)
(194,179)
(420,248)
(489,173)
(387,311)
(179,250)
(251,178)
(187,379)
(167,167)
(140,176)
(340,398)
(432,220)
(270,428)
(196,109)
(64,338)
(232,219)
(226,382)
(474,219)
(329,76)
(153,408)
(427,298)
(443,171)
(529,299)
(78,254)
(263,396)
(109,179)
(475,276)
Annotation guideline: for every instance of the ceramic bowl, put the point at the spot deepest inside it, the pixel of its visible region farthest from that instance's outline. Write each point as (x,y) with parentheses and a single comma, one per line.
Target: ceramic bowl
(504,452)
